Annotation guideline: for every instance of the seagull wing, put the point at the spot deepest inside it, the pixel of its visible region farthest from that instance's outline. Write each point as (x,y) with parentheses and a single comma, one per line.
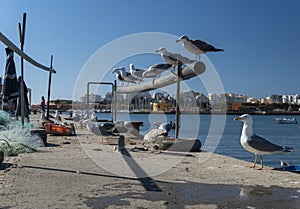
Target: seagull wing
(261,144)
(205,47)
(163,66)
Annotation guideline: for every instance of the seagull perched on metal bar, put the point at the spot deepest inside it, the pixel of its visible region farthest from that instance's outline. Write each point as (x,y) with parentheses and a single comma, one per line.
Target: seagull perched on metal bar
(124,76)
(137,73)
(155,70)
(256,144)
(197,47)
(173,58)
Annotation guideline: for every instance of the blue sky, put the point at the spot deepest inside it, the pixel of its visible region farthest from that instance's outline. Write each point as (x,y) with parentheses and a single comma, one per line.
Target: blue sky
(261,39)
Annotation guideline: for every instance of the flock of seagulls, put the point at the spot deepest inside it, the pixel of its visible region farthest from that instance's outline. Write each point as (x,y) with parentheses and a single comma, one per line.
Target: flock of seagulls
(249,140)
(136,76)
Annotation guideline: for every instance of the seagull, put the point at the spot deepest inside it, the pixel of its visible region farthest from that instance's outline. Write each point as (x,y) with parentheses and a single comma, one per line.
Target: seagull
(173,58)
(256,144)
(124,76)
(57,116)
(137,73)
(197,47)
(155,136)
(283,163)
(94,117)
(155,70)
(96,129)
(164,126)
(118,75)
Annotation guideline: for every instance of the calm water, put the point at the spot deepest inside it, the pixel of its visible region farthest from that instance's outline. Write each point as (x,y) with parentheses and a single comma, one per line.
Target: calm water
(209,128)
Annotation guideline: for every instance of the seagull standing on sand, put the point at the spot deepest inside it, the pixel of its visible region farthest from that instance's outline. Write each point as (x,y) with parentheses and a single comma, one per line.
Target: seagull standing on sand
(124,76)
(155,70)
(197,47)
(94,117)
(173,58)
(57,116)
(137,73)
(256,144)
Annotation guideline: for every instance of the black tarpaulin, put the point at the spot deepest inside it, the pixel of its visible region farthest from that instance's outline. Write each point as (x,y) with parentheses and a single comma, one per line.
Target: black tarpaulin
(10,83)
(26,103)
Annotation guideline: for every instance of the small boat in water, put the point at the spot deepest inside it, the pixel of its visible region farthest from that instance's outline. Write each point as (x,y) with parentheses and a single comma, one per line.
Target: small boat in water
(286,120)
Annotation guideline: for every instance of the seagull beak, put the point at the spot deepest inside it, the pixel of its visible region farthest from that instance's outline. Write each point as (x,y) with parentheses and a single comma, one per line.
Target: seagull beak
(237,118)
(178,40)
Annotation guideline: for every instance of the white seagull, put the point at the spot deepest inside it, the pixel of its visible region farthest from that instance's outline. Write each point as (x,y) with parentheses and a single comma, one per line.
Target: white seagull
(155,70)
(165,126)
(57,116)
(197,47)
(94,117)
(96,129)
(137,73)
(124,76)
(155,136)
(173,58)
(256,144)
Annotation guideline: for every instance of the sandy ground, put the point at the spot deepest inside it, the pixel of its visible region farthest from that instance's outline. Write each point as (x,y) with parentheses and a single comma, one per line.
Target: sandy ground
(84,172)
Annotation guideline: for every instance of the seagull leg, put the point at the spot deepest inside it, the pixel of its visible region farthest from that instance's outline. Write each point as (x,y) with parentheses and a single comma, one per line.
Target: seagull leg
(261,164)
(253,166)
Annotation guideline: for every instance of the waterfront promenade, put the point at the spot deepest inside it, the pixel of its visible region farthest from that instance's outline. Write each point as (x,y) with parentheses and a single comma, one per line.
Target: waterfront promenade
(62,175)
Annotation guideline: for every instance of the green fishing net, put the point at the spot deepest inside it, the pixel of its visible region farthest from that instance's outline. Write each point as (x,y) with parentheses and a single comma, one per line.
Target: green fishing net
(14,139)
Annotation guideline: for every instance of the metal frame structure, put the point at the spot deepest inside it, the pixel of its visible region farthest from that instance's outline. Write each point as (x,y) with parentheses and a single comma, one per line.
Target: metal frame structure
(113,98)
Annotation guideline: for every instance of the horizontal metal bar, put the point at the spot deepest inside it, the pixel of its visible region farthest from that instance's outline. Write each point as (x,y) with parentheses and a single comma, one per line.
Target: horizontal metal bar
(188,72)
(13,47)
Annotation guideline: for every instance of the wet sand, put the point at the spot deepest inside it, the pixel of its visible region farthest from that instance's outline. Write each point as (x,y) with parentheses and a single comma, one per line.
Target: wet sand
(81,172)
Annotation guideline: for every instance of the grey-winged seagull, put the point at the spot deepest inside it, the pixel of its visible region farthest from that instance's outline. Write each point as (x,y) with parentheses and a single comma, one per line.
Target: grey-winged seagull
(157,135)
(256,144)
(173,58)
(124,76)
(97,129)
(155,70)
(137,73)
(197,47)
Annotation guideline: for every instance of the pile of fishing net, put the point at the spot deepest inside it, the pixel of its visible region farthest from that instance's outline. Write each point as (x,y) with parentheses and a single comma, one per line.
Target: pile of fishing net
(14,139)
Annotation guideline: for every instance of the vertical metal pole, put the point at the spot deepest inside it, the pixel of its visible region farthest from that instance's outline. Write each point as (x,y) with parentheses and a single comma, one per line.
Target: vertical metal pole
(179,65)
(49,88)
(87,100)
(22,39)
(115,101)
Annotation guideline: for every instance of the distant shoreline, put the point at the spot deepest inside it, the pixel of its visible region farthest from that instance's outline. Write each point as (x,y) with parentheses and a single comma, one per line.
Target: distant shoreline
(218,112)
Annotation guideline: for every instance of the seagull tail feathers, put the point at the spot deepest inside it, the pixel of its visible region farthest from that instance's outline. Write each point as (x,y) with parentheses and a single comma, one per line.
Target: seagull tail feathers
(218,50)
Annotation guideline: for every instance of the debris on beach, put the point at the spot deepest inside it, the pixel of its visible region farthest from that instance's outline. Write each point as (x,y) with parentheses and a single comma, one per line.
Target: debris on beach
(14,139)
